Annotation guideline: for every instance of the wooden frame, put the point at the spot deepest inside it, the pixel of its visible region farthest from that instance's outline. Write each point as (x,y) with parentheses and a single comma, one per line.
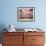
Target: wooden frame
(26,14)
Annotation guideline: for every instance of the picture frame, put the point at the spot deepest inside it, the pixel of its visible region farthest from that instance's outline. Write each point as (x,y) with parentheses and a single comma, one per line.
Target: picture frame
(25,14)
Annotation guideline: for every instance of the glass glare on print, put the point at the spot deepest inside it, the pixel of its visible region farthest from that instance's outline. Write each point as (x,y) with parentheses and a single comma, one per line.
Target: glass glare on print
(25,13)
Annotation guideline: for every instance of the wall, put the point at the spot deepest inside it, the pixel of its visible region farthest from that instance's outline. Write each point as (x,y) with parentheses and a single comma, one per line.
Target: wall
(9,13)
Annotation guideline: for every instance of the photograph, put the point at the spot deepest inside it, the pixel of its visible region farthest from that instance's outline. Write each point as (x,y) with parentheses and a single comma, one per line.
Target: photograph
(25,13)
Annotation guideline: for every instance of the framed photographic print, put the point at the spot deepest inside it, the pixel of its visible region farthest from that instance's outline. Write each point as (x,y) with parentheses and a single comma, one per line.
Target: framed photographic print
(26,14)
